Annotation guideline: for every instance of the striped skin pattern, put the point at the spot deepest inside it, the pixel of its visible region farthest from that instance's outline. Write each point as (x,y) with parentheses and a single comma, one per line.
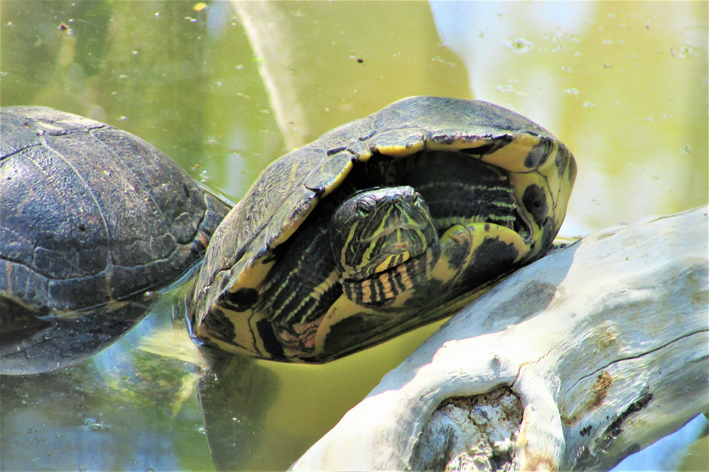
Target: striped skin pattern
(385,286)
(459,190)
(496,184)
(306,280)
(383,241)
(379,229)
(309,278)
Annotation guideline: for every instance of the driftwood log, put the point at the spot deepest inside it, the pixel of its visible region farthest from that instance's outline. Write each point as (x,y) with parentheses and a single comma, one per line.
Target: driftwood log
(572,363)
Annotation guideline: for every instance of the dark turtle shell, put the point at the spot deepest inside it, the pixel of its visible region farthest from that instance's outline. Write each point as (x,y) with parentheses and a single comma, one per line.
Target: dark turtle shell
(245,248)
(89,215)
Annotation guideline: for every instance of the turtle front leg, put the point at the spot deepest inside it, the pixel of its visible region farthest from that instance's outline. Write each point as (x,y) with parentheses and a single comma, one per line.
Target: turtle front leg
(476,254)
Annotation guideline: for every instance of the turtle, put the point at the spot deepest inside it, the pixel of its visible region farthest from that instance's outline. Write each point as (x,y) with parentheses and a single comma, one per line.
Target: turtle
(91,217)
(380,226)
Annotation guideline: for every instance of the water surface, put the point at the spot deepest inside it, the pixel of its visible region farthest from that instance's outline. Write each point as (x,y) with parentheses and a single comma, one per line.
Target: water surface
(225,88)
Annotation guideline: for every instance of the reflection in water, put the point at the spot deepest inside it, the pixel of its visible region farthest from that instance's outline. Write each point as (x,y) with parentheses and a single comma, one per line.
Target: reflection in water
(270,37)
(668,452)
(152,400)
(44,345)
(234,395)
(192,87)
(483,34)
(623,84)
(121,410)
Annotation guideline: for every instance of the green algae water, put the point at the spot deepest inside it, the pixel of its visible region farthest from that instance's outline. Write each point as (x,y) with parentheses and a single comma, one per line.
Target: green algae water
(225,88)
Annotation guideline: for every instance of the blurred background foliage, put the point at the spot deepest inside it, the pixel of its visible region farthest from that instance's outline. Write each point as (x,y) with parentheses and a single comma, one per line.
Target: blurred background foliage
(226,87)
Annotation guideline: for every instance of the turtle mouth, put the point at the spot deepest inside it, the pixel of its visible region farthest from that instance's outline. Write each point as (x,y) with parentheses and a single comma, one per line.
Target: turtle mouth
(382,287)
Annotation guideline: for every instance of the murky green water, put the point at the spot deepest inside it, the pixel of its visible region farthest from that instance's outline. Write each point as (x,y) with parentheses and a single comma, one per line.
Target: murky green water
(227,89)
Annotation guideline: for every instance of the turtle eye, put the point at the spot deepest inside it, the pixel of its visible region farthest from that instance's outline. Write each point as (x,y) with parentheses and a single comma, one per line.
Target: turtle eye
(363,208)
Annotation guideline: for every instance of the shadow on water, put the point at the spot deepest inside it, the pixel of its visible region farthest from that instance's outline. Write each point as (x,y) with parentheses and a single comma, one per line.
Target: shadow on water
(152,400)
(234,394)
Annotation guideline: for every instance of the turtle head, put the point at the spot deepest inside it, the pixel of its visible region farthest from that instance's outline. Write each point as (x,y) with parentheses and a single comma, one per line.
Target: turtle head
(377,229)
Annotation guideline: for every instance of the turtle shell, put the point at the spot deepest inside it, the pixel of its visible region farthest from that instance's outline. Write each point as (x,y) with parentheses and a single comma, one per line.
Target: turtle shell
(541,171)
(89,215)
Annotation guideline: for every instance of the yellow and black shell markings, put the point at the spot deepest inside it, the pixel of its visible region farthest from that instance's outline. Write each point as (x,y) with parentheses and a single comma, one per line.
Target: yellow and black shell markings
(276,283)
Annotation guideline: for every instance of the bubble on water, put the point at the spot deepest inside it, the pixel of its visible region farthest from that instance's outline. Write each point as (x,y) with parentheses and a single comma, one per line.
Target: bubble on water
(588,104)
(683,51)
(94,425)
(519,45)
(572,91)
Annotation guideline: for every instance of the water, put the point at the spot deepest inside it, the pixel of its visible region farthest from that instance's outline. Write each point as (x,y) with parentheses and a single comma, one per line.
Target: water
(228,88)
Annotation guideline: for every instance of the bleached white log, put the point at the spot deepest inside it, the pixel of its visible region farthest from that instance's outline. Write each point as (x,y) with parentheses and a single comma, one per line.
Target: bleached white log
(604,345)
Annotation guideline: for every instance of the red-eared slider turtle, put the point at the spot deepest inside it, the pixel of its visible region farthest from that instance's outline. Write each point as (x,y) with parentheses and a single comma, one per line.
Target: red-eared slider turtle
(380,226)
(89,215)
